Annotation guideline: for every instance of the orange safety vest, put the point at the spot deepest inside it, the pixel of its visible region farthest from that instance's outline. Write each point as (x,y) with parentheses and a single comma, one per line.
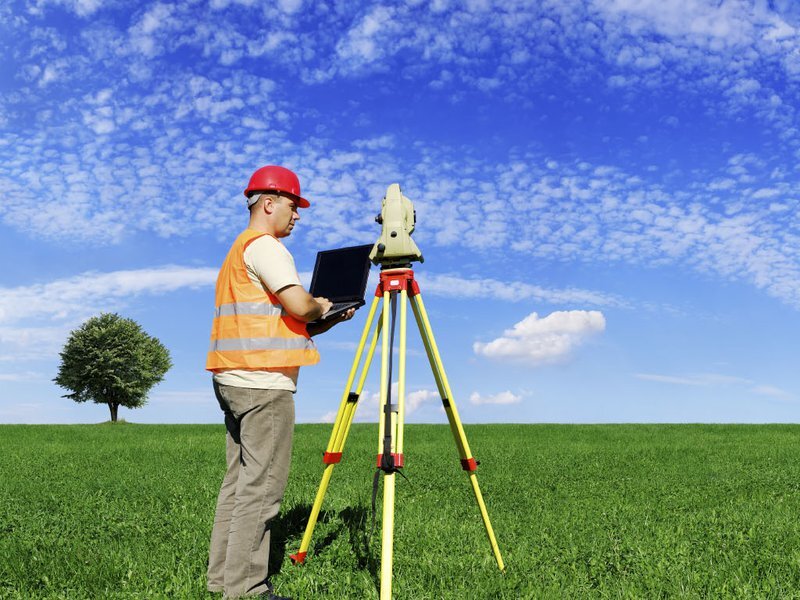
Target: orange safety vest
(251,329)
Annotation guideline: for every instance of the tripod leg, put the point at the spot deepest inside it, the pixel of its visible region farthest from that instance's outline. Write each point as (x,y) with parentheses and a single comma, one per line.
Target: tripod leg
(341,427)
(349,403)
(386,369)
(390,449)
(387,536)
(401,376)
(468,462)
(384,440)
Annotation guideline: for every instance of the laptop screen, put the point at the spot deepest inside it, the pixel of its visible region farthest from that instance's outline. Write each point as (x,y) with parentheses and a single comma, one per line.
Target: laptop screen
(341,274)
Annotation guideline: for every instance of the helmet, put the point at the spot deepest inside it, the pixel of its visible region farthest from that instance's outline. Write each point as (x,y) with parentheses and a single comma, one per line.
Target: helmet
(276,179)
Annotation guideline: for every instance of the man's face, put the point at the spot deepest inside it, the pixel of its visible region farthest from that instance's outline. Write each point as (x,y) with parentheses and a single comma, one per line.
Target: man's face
(284,213)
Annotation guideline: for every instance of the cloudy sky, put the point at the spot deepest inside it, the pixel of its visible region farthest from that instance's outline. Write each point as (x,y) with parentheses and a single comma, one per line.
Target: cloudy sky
(606,193)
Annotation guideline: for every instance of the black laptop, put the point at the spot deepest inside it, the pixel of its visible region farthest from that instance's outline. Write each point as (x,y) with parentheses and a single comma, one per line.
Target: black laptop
(341,276)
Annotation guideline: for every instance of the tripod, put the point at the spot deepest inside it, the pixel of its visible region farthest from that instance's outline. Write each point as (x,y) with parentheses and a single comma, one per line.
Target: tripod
(390,435)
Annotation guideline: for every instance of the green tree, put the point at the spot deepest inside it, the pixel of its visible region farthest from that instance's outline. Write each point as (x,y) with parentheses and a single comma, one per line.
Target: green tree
(111,360)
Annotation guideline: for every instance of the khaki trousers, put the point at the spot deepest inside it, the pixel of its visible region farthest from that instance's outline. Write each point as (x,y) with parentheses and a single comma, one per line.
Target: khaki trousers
(260,424)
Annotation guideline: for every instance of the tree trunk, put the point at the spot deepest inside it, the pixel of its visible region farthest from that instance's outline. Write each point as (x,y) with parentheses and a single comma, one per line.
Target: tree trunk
(113,407)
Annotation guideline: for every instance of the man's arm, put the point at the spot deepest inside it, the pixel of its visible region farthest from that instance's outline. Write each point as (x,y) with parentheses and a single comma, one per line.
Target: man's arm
(300,304)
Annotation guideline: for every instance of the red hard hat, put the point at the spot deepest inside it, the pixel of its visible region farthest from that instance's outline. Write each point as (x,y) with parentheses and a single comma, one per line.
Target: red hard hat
(276,179)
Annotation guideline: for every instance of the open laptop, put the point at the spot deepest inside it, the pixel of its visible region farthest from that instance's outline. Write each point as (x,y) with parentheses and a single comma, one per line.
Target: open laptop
(341,276)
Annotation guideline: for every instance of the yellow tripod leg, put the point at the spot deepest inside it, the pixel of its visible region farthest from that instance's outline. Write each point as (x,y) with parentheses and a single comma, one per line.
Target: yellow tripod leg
(349,403)
(387,536)
(401,376)
(387,533)
(388,480)
(384,368)
(341,427)
(468,462)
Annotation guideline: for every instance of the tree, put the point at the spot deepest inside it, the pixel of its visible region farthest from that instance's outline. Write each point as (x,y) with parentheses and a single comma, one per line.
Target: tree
(111,360)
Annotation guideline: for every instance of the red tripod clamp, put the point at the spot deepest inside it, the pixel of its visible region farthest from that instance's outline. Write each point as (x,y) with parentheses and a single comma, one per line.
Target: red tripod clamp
(395,280)
(331,458)
(469,464)
(399,460)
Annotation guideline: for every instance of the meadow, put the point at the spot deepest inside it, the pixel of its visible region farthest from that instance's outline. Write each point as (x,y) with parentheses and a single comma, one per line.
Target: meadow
(580,511)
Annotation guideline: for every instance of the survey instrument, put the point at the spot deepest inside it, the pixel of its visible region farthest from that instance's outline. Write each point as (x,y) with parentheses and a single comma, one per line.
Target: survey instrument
(394,251)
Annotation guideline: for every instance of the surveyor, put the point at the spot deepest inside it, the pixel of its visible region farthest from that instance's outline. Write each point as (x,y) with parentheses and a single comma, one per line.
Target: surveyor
(259,341)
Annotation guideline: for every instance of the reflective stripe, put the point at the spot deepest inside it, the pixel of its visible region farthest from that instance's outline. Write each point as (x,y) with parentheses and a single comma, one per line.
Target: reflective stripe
(251,328)
(248,308)
(297,343)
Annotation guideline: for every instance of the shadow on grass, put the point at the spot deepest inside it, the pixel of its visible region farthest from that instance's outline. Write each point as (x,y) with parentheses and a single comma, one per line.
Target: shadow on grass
(354,521)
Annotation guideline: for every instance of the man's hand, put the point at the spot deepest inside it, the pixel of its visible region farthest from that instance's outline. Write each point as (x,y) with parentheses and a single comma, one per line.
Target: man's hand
(324,303)
(347,315)
(317,328)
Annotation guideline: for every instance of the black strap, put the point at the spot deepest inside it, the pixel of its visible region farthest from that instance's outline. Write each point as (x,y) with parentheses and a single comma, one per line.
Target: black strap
(374,496)
(375,480)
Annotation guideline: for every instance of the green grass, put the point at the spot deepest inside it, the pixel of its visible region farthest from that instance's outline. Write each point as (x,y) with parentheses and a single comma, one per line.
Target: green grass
(606,511)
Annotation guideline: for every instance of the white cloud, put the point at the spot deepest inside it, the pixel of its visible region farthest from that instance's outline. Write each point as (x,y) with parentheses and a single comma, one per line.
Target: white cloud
(534,341)
(701,379)
(506,397)
(328,417)
(365,42)
(86,7)
(718,380)
(563,211)
(31,343)
(82,294)
(763,193)
(772,391)
(375,143)
(135,139)
(416,398)
(49,74)
(702,22)
(82,8)
(40,316)
(290,6)
(514,291)
(189,398)
(649,42)
(156,20)
(369,402)
(24,412)
(23,376)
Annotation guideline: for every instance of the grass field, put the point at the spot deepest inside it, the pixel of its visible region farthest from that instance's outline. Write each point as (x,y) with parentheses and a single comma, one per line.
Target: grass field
(605,511)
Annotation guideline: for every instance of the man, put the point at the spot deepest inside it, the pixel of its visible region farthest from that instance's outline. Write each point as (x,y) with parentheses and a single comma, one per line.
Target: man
(259,341)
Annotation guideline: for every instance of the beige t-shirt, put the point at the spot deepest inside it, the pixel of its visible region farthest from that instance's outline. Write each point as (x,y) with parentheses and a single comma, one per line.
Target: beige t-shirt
(271,267)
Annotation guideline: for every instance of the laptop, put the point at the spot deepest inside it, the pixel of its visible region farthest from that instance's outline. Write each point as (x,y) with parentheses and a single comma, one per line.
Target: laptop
(341,276)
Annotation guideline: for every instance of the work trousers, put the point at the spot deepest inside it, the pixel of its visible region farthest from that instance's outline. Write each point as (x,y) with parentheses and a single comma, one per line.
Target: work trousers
(260,424)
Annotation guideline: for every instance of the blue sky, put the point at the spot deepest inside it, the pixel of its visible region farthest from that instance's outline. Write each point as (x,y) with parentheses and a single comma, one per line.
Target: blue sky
(606,193)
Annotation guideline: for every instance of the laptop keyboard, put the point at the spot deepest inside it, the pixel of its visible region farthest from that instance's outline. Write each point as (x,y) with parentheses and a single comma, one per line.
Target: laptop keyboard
(337,305)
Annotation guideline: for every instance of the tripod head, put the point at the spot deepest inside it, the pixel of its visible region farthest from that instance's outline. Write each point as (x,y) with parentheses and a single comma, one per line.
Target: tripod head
(394,247)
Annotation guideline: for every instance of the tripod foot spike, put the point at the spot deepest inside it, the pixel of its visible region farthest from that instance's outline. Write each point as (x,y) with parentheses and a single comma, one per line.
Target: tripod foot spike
(299,558)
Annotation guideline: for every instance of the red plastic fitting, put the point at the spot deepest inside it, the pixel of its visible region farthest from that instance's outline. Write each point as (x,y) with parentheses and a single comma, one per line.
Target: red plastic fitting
(469,464)
(392,280)
(414,288)
(331,458)
(399,460)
